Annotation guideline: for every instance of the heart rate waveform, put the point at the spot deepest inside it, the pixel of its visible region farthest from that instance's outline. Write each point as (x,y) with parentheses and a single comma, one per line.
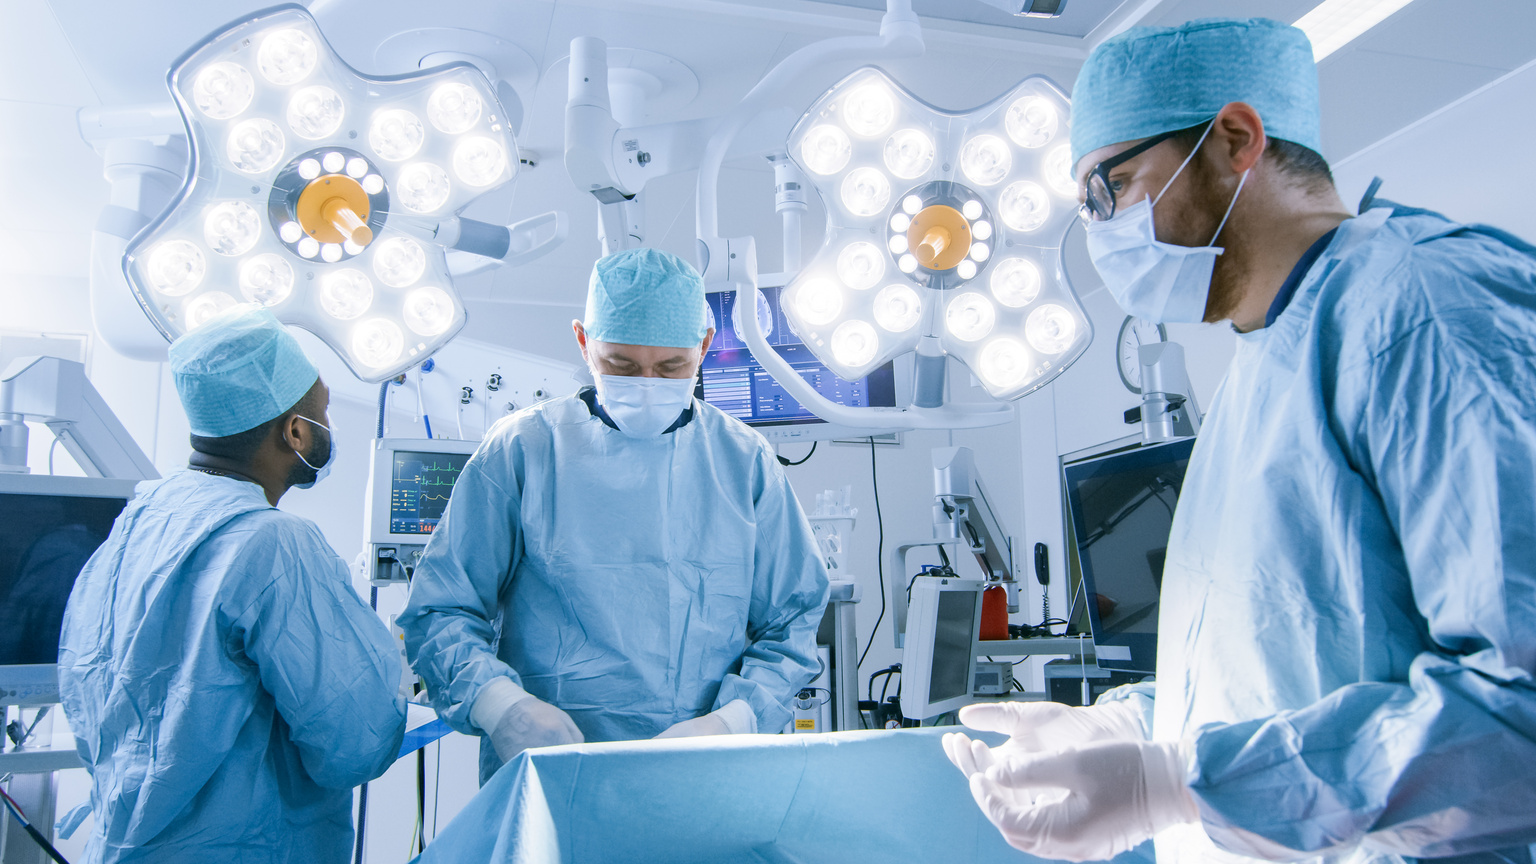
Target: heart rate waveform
(420,488)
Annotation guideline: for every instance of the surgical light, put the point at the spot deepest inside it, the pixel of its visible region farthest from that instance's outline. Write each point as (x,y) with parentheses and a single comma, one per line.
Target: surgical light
(866,191)
(399,262)
(1015,282)
(176,267)
(377,342)
(855,343)
(970,317)
(1050,329)
(986,160)
(428,310)
(396,134)
(860,265)
(204,306)
(266,279)
(898,308)
(825,150)
(909,153)
(232,228)
(869,110)
(315,112)
(255,145)
(965,206)
(454,108)
(1058,172)
(287,57)
(1023,206)
(346,293)
(479,161)
(320,193)
(1031,122)
(223,90)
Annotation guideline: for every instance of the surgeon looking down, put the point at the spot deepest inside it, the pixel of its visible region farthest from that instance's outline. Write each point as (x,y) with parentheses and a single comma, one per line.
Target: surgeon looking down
(622,563)
(1347,659)
(226,686)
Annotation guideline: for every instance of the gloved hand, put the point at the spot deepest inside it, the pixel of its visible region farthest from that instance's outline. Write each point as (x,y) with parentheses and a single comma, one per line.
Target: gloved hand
(1086,803)
(516,720)
(735,717)
(1035,727)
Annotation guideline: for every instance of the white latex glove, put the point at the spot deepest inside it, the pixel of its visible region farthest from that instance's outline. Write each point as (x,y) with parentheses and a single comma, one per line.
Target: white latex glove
(1036,727)
(516,721)
(733,718)
(1087,803)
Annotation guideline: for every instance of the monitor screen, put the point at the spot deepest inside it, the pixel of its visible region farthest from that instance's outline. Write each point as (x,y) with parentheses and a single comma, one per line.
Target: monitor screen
(45,541)
(420,483)
(1121,509)
(733,381)
(953,637)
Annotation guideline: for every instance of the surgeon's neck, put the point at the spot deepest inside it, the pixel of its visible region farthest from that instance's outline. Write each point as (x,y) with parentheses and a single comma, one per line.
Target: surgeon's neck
(1265,238)
(271,478)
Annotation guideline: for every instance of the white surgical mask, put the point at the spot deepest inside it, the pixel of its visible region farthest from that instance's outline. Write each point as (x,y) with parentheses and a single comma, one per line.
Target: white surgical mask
(643,407)
(1150,279)
(323,470)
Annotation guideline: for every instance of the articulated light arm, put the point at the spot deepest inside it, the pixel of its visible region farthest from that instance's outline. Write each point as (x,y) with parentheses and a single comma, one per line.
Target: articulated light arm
(55,392)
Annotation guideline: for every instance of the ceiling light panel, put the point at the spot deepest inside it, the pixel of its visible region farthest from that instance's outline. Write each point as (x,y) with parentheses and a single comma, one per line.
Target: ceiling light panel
(940,223)
(316,191)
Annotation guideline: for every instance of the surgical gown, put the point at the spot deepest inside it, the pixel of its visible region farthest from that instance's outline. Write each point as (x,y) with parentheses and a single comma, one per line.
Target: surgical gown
(1348,624)
(631,582)
(226,686)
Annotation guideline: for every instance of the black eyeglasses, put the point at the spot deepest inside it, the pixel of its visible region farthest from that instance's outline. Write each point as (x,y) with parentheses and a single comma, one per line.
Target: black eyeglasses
(1099,202)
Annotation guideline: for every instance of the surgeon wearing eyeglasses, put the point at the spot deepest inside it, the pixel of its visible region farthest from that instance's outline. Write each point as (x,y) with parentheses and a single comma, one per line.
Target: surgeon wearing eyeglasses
(623,563)
(1347,656)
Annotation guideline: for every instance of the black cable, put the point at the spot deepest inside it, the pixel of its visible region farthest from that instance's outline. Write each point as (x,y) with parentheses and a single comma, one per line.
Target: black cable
(874,474)
(788,464)
(37,837)
(421,800)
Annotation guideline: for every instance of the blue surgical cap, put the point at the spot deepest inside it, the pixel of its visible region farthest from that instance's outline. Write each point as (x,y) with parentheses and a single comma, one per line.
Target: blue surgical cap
(1150,80)
(238,370)
(646,297)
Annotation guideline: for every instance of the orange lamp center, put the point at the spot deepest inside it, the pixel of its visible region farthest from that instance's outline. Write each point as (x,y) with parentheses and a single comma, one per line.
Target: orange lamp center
(334,209)
(939,236)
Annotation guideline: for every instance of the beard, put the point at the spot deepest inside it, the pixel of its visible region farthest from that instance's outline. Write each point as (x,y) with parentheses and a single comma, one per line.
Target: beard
(319,451)
(1196,215)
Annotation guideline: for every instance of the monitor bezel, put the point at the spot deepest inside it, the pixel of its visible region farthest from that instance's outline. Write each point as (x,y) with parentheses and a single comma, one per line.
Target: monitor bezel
(382,468)
(1128,652)
(19,678)
(917,652)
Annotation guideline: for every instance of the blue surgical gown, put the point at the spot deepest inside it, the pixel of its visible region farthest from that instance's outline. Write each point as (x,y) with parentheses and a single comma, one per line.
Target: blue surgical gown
(1348,622)
(631,582)
(226,686)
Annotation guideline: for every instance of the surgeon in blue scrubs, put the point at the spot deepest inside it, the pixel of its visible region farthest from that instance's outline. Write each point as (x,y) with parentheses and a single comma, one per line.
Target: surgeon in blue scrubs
(623,563)
(226,686)
(1347,643)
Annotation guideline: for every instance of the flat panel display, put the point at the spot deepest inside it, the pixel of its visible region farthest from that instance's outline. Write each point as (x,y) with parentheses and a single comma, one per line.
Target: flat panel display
(1121,509)
(420,484)
(45,541)
(732,380)
(954,634)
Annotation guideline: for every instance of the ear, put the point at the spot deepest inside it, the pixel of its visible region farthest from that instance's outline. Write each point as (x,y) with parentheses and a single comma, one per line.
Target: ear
(1240,137)
(293,434)
(704,346)
(581,339)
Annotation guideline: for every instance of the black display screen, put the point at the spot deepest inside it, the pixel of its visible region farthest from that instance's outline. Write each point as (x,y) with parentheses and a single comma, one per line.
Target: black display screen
(1122,508)
(45,541)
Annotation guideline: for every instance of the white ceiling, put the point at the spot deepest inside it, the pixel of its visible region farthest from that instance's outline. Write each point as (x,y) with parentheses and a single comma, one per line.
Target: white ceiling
(59,56)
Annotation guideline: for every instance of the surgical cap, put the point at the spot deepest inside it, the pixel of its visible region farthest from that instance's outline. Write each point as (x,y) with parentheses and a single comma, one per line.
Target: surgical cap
(238,370)
(646,297)
(1150,80)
